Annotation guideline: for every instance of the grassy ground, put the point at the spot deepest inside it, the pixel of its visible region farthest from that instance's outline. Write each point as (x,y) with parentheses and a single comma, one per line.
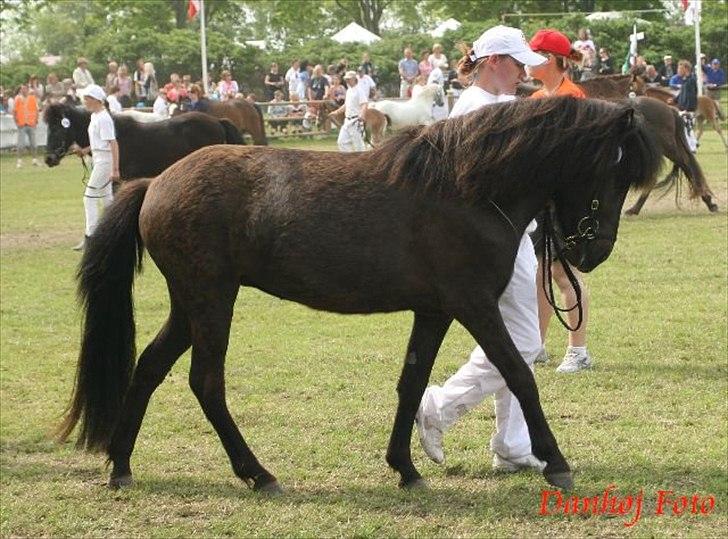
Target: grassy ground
(314,394)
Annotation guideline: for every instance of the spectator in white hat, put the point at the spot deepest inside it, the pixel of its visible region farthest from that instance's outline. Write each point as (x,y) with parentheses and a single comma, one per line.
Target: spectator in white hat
(81,75)
(494,65)
(105,153)
(351,137)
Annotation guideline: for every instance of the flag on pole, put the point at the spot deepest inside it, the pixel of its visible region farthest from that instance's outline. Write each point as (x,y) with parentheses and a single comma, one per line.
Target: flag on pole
(193,8)
(692,10)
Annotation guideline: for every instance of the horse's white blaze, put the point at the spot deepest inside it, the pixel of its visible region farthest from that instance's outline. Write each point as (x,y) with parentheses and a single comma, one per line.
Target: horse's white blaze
(416,111)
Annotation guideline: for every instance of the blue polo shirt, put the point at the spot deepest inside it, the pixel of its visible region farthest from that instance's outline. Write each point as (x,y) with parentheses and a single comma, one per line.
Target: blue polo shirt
(714,76)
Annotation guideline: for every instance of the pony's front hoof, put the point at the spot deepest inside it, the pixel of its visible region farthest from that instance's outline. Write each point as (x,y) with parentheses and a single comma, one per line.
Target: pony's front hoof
(713,208)
(562,480)
(631,211)
(271,488)
(122,481)
(415,484)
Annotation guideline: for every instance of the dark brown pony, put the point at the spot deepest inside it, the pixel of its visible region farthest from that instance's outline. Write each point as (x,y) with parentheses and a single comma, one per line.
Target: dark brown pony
(145,149)
(708,110)
(245,116)
(429,222)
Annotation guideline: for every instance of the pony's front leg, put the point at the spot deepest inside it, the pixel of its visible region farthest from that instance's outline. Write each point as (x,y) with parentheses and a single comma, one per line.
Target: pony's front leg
(485,323)
(427,334)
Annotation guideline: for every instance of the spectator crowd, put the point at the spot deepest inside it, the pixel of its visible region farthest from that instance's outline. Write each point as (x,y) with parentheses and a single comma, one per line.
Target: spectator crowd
(297,92)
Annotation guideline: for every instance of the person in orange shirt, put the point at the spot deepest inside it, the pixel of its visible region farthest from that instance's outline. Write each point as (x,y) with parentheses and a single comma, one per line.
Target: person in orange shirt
(553,75)
(25,113)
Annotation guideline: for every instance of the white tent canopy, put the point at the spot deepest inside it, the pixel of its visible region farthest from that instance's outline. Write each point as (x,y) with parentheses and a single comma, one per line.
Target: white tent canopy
(613,15)
(450,24)
(353,33)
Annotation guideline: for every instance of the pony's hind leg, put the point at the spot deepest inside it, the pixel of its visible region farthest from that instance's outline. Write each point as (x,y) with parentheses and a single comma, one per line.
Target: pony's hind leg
(427,335)
(210,333)
(637,206)
(154,364)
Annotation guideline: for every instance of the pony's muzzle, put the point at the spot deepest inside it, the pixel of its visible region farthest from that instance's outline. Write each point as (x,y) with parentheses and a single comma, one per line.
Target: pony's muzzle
(52,160)
(592,254)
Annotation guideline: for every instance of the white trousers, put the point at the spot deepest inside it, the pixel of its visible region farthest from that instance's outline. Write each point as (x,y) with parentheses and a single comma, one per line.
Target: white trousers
(99,192)
(478,378)
(350,137)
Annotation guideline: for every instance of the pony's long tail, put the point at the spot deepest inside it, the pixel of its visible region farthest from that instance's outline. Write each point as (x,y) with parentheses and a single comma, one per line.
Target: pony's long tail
(690,167)
(106,361)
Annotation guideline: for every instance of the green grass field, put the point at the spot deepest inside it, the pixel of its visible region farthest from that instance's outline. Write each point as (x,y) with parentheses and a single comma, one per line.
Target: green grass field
(314,394)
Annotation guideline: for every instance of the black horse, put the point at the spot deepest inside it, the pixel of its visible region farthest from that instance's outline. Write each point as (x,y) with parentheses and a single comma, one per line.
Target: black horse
(145,149)
(429,222)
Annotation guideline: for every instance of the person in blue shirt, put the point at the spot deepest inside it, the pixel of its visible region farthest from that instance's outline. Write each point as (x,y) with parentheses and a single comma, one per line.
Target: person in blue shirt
(714,75)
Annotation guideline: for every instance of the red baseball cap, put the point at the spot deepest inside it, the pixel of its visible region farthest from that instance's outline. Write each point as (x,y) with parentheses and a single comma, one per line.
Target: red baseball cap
(551,41)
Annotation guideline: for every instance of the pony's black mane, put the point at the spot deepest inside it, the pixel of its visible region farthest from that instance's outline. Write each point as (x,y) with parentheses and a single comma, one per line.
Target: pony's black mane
(480,154)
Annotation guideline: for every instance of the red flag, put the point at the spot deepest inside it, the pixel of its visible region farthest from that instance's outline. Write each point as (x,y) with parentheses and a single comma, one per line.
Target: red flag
(193,8)
(685,4)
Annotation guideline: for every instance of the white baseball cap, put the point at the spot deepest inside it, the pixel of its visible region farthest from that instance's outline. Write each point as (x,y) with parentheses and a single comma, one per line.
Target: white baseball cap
(350,75)
(95,91)
(505,40)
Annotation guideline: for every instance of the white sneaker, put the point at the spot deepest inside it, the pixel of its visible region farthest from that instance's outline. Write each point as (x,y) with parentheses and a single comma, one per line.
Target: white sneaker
(510,465)
(430,437)
(574,362)
(19,164)
(36,163)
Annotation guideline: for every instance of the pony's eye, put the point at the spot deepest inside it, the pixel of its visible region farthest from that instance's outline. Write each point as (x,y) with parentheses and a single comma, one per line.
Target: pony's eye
(66,123)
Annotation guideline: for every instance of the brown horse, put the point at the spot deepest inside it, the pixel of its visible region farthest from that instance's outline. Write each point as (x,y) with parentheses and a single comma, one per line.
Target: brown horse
(708,110)
(668,129)
(244,115)
(429,222)
(612,86)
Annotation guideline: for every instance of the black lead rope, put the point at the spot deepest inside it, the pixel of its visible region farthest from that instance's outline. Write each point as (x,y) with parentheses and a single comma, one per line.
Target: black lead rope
(85,179)
(550,240)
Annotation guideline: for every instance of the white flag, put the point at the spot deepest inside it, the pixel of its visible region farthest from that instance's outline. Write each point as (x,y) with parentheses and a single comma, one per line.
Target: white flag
(692,11)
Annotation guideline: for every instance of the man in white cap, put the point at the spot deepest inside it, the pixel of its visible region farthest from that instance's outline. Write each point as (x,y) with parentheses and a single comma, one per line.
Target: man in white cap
(495,65)
(105,153)
(351,137)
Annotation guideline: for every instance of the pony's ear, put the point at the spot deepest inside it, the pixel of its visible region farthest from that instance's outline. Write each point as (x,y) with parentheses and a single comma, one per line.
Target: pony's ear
(627,119)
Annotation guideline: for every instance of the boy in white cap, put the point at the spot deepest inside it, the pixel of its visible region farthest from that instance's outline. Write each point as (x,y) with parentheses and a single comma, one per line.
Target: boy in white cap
(105,153)
(495,65)
(351,137)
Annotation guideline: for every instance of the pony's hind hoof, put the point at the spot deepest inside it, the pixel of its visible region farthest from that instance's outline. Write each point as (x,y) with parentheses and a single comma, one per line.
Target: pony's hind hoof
(415,484)
(272,489)
(713,208)
(122,481)
(562,480)
(631,211)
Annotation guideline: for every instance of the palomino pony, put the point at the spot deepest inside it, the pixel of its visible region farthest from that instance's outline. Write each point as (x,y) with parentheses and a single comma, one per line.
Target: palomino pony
(707,110)
(244,115)
(415,111)
(145,149)
(429,222)
(375,125)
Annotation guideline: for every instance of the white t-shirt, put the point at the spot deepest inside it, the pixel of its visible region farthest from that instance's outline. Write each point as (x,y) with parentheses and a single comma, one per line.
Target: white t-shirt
(292,79)
(354,98)
(366,83)
(440,62)
(114,105)
(160,107)
(475,97)
(101,131)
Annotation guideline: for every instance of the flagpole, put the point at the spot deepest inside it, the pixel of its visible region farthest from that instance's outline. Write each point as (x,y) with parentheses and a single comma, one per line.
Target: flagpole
(698,66)
(203,47)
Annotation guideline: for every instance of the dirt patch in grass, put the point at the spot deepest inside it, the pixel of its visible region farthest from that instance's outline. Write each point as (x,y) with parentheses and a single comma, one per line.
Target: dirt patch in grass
(39,239)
